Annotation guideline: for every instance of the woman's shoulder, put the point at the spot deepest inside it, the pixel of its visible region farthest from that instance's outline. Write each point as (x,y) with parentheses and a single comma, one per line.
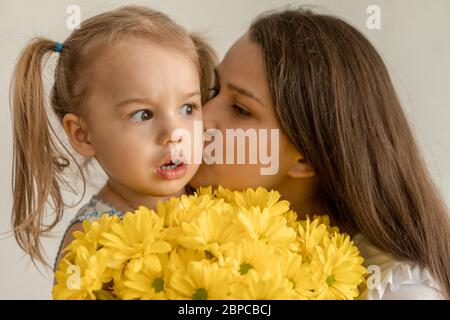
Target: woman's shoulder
(393,279)
(93,209)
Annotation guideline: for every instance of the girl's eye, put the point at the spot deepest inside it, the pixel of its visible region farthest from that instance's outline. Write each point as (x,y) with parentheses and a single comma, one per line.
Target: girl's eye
(188,109)
(241,112)
(141,115)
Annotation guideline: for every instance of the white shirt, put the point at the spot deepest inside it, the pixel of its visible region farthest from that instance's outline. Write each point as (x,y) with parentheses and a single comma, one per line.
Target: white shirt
(394,279)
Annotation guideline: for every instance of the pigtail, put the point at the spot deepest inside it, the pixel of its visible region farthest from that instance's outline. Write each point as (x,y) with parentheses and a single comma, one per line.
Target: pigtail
(208,61)
(37,165)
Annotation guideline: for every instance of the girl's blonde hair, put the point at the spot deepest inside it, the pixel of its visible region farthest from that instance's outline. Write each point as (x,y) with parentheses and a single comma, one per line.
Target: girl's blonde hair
(38,162)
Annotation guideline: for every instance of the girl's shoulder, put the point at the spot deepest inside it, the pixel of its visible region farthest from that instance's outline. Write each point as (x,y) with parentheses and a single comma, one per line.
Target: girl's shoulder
(90,211)
(393,279)
(93,209)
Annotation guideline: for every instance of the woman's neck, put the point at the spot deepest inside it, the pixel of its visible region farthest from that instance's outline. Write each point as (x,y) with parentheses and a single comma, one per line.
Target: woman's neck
(126,200)
(304,207)
(302,196)
(304,201)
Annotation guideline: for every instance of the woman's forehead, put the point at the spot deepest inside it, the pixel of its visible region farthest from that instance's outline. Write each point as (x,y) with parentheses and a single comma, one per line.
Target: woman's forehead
(243,66)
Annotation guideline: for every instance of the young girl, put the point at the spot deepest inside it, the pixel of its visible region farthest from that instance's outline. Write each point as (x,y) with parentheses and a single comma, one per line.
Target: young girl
(123,83)
(348,150)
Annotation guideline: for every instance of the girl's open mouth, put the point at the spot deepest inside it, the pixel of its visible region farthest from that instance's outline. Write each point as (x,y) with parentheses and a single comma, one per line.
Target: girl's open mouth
(171,165)
(172,169)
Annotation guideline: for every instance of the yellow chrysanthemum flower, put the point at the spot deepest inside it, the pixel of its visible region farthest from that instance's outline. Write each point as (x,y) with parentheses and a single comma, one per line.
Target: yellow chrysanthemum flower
(226,194)
(147,284)
(180,258)
(263,226)
(91,235)
(249,255)
(262,199)
(201,280)
(298,273)
(251,198)
(205,191)
(326,221)
(211,232)
(186,208)
(291,219)
(82,278)
(337,268)
(262,287)
(136,238)
(310,234)
(168,210)
(193,207)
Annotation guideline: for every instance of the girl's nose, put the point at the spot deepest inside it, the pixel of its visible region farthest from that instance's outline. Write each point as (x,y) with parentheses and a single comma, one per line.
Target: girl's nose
(176,140)
(168,137)
(168,132)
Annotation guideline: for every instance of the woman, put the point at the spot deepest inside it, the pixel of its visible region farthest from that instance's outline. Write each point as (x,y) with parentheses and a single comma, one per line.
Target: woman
(346,148)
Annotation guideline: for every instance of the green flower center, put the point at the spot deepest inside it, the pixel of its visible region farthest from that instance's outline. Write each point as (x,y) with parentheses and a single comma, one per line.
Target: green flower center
(200,294)
(158,284)
(330,280)
(244,267)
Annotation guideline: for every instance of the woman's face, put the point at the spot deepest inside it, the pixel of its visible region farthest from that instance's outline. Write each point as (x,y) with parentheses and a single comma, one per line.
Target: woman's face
(242,101)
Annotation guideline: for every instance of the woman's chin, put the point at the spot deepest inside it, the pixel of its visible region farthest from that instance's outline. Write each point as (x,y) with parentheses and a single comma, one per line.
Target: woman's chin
(203,178)
(197,181)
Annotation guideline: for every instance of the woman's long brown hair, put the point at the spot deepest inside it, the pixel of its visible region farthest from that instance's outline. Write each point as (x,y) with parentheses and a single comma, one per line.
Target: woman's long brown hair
(38,160)
(335,100)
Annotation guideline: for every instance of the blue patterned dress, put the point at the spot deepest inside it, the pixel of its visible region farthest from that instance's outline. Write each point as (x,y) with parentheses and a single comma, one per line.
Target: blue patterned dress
(90,211)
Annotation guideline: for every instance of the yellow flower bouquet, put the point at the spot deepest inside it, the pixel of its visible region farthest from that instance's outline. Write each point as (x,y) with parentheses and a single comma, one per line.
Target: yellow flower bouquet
(215,244)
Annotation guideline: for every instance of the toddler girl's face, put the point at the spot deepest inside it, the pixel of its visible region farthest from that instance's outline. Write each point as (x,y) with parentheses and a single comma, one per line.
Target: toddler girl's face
(138,94)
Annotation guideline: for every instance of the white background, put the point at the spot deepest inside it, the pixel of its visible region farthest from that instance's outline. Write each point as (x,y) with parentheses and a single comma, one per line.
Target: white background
(414,41)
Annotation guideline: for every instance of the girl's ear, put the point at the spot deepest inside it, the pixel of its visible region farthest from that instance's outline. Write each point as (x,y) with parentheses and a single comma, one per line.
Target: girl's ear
(77,132)
(301,169)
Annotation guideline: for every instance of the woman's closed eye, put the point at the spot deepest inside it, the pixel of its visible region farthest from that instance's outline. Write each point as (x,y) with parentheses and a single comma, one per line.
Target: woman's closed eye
(238,110)
(241,112)
(188,109)
(141,115)
(213,92)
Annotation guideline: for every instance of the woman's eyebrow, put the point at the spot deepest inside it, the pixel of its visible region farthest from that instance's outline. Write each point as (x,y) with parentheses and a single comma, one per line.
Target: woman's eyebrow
(238,89)
(244,92)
